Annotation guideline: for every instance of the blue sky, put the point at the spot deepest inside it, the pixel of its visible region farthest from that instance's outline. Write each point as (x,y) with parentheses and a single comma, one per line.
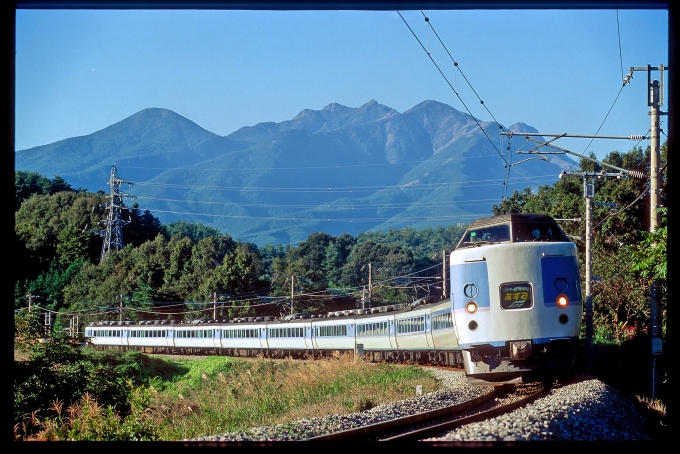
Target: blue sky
(79,71)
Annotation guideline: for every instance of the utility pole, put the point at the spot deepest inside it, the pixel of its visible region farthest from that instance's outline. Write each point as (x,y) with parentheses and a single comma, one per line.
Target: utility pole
(370,283)
(113,231)
(444,294)
(655,102)
(655,97)
(120,309)
(48,322)
(292,293)
(214,305)
(588,194)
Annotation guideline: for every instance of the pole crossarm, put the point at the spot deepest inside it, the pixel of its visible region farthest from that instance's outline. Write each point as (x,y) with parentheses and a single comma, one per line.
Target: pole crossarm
(649,69)
(633,173)
(576,136)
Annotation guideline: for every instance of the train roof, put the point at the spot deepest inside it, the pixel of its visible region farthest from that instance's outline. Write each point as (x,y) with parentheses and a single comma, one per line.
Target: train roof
(335,316)
(509,217)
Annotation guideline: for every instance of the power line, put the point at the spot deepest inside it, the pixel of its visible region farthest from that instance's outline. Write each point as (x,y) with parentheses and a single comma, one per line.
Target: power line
(451,86)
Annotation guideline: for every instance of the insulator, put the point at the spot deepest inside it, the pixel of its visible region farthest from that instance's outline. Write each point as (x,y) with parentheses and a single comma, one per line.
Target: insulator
(637,174)
(637,137)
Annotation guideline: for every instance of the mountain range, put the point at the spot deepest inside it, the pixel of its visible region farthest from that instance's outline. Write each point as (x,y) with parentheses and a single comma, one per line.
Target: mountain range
(336,170)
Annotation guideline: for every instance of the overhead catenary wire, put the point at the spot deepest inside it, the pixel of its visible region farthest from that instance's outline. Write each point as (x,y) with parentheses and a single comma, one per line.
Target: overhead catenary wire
(452,88)
(618,30)
(508,158)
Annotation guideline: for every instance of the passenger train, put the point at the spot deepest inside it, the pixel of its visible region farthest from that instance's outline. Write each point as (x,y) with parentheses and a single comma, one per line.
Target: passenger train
(514,309)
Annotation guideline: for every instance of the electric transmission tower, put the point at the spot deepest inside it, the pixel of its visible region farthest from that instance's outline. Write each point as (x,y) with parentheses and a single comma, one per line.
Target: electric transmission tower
(113,224)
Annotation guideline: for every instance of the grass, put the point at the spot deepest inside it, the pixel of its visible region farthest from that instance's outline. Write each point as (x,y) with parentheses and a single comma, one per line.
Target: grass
(175,399)
(220,394)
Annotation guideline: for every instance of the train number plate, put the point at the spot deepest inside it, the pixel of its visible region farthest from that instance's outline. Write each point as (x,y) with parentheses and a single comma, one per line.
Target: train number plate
(516,296)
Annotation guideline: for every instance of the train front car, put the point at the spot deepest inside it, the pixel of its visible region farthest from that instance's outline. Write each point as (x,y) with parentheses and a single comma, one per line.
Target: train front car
(516,298)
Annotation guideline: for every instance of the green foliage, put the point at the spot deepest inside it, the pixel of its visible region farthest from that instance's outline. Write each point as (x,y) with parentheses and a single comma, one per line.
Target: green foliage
(49,285)
(143,227)
(195,231)
(27,184)
(58,370)
(28,326)
(424,244)
(106,391)
(651,254)
(87,420)
(139,368)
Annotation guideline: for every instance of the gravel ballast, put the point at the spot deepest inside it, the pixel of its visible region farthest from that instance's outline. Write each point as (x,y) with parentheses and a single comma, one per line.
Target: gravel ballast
(579,409)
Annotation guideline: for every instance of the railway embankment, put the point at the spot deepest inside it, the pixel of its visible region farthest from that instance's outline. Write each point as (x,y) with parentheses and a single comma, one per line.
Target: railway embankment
(581,408)
(307,403)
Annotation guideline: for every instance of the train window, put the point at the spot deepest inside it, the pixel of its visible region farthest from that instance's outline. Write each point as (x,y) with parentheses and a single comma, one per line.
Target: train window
(334,330)
(516,296)
(442,321)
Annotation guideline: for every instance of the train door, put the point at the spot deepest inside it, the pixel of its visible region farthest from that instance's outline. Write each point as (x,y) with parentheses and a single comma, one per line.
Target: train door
(262,336)
(428,330)
(394,339)
(308,336)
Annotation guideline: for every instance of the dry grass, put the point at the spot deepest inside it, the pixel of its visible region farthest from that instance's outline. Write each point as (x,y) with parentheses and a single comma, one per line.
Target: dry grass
(654,406)
(657,423)
(224,395)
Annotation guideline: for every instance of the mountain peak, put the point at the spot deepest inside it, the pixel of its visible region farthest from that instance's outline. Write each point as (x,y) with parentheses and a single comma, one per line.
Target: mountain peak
(370,103)
(522,127)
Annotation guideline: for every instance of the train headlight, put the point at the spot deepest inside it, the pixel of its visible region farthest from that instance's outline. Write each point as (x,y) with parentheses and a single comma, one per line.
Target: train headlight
(562,301)
(471,307)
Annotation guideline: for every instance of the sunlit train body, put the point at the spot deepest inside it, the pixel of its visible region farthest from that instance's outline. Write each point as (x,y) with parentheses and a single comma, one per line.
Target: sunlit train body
(516,297)
(514,308)
(419,332)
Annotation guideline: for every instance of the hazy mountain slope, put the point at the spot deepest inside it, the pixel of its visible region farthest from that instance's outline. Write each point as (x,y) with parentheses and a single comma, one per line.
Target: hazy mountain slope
(143,144)
(336,170)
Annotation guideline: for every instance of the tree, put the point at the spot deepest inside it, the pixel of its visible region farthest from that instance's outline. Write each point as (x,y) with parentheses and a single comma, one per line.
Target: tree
(27,184)
(194,230)
(143,227)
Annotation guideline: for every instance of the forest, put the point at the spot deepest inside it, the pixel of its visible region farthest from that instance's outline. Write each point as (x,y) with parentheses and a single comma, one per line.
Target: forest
(58,267)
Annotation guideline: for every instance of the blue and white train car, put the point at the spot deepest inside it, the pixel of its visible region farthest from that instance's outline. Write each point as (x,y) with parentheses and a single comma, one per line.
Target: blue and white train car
(515,307)
(516,297)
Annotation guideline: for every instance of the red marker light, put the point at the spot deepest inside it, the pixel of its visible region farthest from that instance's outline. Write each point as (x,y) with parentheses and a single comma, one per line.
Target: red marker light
(562,301)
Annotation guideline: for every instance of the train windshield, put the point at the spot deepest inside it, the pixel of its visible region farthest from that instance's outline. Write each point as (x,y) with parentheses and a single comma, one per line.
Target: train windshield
(537,231)
(486,235)
(515,231)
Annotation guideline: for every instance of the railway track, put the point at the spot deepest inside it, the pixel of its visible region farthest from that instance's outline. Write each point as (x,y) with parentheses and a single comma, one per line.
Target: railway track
(502,400)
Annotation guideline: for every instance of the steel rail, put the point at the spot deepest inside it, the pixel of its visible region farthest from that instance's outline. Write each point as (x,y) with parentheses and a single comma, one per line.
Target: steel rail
(433,430)
(369,432)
